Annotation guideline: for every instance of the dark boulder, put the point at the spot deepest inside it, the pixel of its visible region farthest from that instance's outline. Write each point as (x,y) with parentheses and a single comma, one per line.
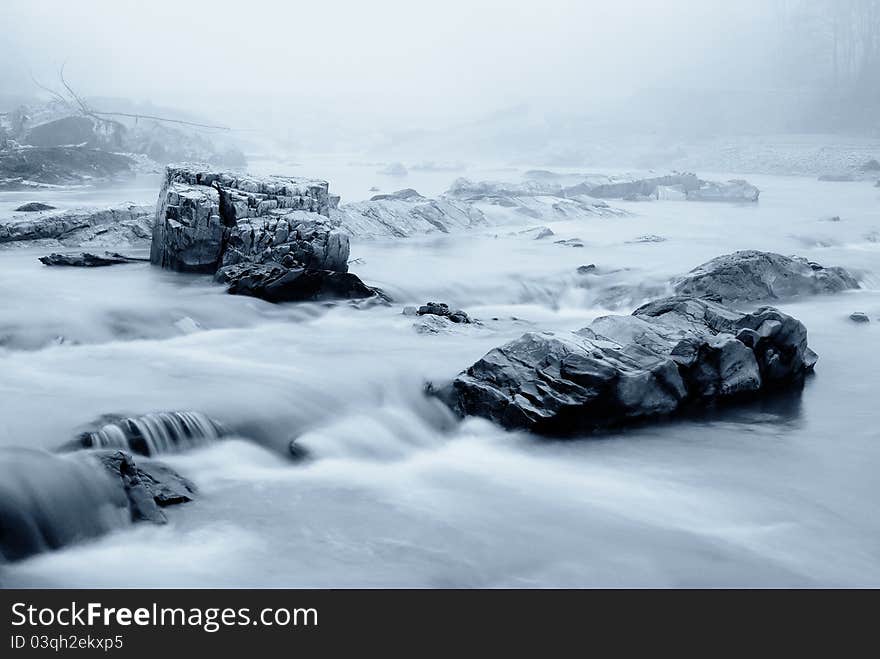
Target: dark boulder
(859,317)
(442,309)
(274,282)
(147,485)
(34,207)
(750,276)
(668,355)
(86,260)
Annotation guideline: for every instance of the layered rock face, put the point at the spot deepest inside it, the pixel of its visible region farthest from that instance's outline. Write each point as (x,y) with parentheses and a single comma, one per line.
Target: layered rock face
(401,215)
(201,214)
(666,355)
(122,224)
(749,275)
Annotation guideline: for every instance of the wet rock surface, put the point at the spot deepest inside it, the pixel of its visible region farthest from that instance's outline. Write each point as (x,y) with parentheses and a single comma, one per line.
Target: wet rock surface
(749,276)
(277,283)
(442,309)
(668,355)
(148,485)
(86,260)
(859,317)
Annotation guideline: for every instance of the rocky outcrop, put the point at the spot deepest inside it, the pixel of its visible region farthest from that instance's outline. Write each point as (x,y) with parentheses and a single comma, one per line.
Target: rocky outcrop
(125,224)
(667,355)
(202,213)
(749,276)
(86,260)
(407,194)
(277,283)
(402,216)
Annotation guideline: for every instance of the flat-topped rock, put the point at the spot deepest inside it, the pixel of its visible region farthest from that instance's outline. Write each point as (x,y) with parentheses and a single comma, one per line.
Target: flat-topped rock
(206,219)
(669,354)
(277,283)
(750,275)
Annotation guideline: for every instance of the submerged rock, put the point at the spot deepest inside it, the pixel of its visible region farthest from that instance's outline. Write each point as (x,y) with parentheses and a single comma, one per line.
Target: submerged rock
(148,485)
(86,260)
(150,434)
(859,317)
(749,276)
(33,207)
(669,354)
(277,283)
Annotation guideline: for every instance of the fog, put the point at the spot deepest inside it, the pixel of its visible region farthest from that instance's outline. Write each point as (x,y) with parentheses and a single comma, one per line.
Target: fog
(352,69)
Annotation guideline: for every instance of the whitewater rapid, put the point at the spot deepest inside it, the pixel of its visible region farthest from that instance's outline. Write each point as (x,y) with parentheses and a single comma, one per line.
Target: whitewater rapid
(397,492)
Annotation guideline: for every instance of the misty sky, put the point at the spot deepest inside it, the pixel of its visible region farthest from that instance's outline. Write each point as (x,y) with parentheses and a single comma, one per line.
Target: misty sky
(380,61)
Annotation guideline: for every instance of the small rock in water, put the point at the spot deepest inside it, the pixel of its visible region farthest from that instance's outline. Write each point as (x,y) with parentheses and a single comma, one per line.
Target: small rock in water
(187,325)
(833,218)
(648,238)
(276,283)
(86,260)
(34,207)
(859,317)
(571,242)
(442,309)
(587,269)
(871,166)
(410,311)
(148,485)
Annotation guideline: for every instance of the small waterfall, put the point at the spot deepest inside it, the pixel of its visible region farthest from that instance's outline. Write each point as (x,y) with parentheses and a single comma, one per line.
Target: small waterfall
(153,434)
(48,501)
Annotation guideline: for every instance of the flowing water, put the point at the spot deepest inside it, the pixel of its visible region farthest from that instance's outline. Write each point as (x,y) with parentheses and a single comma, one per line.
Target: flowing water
(396,492)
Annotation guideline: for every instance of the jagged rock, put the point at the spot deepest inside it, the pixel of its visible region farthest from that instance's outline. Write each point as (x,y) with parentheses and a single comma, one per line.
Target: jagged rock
(289,238)
(202,212)
(442,309)
(86,260)
(33,207)
(587,269)
(749,275)
(859,317)
(148,485)
(276,283)
(400,218)
(407,194)
(122,224)
(669,354)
